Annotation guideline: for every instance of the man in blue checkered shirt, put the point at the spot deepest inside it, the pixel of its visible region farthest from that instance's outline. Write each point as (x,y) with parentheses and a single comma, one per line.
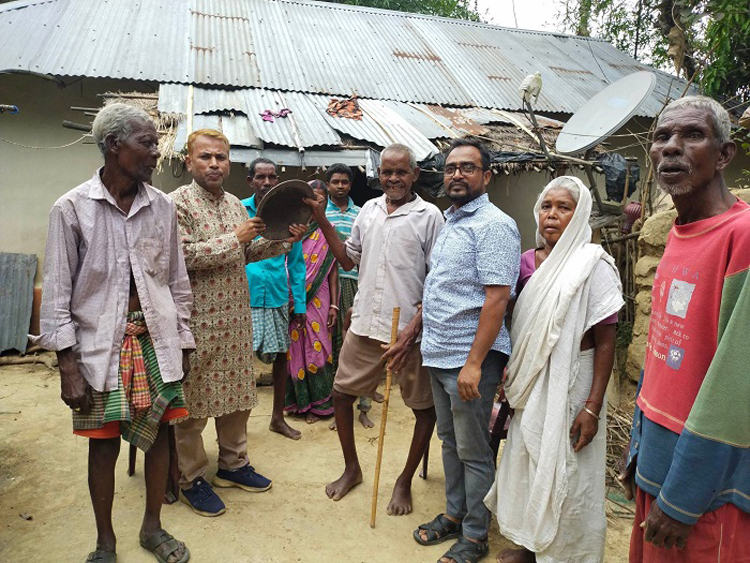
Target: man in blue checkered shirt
(473,268)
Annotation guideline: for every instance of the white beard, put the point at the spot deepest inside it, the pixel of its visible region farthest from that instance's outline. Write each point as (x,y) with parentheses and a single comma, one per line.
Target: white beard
(676,189)
(682,188)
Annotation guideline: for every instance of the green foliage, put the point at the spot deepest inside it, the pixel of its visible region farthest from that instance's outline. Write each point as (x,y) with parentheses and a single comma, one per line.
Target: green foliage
(459,9)
(727,48)
(627,24)
(716,37)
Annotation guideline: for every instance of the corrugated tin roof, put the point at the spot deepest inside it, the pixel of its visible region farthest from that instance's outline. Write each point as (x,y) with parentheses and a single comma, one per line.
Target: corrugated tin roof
(309,124)
(366,158)
(313,47)
(16,296)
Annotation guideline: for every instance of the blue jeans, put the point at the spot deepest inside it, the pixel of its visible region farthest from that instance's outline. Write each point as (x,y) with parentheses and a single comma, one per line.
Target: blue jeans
(463,427)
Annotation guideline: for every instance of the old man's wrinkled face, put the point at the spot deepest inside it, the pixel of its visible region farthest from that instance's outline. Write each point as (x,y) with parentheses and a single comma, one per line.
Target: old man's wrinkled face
(685,153)
(555,214)
(138,153)
(396,175)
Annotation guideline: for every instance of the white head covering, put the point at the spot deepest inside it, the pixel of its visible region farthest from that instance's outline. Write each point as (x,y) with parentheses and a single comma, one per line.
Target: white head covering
(580,195)
(541,308)
(565,297)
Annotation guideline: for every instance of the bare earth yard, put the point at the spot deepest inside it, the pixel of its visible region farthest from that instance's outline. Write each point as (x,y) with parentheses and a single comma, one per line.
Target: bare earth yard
(43,478)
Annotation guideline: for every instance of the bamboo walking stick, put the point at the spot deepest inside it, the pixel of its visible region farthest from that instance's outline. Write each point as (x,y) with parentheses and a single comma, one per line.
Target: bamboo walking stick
(384,418)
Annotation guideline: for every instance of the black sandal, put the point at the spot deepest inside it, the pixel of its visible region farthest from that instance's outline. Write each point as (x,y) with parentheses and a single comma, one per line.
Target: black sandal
(439,529)
(467,551)
(162,537)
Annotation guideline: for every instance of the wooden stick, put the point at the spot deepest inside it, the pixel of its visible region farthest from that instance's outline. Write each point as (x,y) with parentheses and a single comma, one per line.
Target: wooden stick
(384,418)
(425,462)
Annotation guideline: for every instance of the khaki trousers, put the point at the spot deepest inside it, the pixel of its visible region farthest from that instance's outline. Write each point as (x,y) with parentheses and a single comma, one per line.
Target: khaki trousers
(231,430)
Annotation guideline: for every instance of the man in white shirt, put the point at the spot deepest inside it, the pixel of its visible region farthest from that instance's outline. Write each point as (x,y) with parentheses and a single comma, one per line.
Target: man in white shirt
(391,241)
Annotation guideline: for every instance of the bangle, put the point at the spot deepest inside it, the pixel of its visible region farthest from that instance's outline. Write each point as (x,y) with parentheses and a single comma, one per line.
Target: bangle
(335,307)
(595,402)
(592,413)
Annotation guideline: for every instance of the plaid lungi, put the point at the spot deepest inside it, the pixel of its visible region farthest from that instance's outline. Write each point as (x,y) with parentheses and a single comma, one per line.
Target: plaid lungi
(346,300)
(139,428)
(270,332)
(348,288)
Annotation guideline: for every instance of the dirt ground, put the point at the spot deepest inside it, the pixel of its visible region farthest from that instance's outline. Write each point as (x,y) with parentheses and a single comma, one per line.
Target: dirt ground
(45,513)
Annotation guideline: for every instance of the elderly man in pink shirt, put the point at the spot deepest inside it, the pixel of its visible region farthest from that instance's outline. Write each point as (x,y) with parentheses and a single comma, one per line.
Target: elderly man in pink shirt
(116,303)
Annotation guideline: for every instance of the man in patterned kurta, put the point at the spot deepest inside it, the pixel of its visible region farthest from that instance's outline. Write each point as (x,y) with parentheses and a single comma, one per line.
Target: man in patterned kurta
(217,239)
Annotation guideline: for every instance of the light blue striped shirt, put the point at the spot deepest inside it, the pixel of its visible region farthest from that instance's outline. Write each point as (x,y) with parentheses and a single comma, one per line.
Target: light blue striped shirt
(343,221)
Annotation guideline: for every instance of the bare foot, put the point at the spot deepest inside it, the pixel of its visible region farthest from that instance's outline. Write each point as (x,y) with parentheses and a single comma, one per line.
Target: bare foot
(516,556)
(341,486)
(284,429)
(311,418)
(378,397)
(366,422)
(400,504)
(332,426)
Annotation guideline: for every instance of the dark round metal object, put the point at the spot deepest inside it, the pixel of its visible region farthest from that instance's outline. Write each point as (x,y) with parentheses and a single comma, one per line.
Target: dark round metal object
(283,207)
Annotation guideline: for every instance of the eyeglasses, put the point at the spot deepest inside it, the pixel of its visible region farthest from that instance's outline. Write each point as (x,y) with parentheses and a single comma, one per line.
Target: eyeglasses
(466,168)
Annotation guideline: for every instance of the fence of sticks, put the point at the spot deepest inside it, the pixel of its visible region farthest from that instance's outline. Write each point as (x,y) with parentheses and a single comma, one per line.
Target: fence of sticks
(619,420)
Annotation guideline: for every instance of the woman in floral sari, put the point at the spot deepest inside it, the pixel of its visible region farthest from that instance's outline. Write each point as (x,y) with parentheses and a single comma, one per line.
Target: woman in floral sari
(310,358)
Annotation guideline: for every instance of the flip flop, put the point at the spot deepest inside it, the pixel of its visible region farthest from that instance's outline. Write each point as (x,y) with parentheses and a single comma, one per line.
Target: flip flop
(160,537)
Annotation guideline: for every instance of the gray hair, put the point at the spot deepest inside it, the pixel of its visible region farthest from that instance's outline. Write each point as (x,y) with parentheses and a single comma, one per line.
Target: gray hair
(719,116)
(118,120)
(403,149)
(566,183)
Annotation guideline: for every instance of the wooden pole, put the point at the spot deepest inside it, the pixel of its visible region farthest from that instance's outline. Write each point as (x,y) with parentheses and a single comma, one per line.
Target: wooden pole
(384,418)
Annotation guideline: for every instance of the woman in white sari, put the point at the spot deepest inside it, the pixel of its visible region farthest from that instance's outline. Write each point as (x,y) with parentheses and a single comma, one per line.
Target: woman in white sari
(549,491)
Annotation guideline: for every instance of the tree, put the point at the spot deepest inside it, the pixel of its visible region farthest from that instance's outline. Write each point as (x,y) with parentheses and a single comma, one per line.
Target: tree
(707,40)
(458,9)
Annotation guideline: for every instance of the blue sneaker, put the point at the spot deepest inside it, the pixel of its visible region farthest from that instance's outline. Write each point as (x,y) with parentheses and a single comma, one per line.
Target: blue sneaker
(245,478)
(202,499)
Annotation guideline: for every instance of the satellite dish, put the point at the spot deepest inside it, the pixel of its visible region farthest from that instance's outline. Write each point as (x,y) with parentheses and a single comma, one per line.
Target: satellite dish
(605,113)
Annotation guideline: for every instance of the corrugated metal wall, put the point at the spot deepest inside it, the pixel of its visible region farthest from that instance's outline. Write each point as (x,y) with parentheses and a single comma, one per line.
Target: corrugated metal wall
(16,296)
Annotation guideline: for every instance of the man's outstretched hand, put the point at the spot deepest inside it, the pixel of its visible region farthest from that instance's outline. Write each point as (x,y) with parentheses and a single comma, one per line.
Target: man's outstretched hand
(249,229)
(318,206)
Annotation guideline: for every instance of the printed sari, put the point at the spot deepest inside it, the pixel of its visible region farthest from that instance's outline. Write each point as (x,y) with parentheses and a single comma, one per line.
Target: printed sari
(310,356)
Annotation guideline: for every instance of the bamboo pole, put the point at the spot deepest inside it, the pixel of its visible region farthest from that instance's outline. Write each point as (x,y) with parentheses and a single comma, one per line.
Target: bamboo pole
(384,418)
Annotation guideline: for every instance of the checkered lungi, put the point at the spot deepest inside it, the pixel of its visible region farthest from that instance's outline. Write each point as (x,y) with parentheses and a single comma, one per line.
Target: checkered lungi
(270,332)
(139,426)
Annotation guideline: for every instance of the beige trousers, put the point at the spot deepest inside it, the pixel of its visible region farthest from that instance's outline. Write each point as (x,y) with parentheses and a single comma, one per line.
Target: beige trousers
(231,430)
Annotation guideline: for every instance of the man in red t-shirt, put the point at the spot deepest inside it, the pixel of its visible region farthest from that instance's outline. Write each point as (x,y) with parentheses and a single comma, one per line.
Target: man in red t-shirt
(688,464)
